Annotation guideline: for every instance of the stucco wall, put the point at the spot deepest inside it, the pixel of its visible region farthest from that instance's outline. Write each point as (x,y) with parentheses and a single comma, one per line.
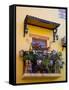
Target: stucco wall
(24,42)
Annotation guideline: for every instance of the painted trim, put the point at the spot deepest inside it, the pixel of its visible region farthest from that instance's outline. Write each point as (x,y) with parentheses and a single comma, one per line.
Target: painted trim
(39,37)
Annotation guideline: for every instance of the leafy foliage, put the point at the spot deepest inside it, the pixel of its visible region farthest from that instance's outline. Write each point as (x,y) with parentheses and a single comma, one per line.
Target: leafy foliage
(51,63)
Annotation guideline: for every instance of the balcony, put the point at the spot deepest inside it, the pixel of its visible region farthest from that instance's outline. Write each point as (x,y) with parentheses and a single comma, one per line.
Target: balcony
(41,63)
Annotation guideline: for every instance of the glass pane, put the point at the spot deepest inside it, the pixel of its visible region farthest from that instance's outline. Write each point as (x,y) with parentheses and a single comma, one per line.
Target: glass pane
(39,43)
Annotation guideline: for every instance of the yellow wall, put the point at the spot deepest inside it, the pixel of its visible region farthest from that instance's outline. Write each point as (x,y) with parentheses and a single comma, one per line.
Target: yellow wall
(24,42)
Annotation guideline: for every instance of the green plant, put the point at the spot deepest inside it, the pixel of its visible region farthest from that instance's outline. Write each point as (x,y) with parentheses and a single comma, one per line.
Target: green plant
(58,63)
(59,54)
(46,62)
(27,56)
(51,62)
(30,56)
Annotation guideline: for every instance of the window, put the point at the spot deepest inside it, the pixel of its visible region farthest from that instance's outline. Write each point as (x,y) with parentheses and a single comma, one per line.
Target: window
(38,43)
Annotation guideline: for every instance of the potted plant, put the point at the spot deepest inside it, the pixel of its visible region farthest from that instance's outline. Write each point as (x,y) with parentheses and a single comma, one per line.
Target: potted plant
(27,62)
(53,62)
(30,57)
(58,63)
(56,57)
(46,62)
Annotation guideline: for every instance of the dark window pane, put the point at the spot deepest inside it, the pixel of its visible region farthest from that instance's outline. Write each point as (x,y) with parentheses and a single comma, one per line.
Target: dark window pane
(38,43)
